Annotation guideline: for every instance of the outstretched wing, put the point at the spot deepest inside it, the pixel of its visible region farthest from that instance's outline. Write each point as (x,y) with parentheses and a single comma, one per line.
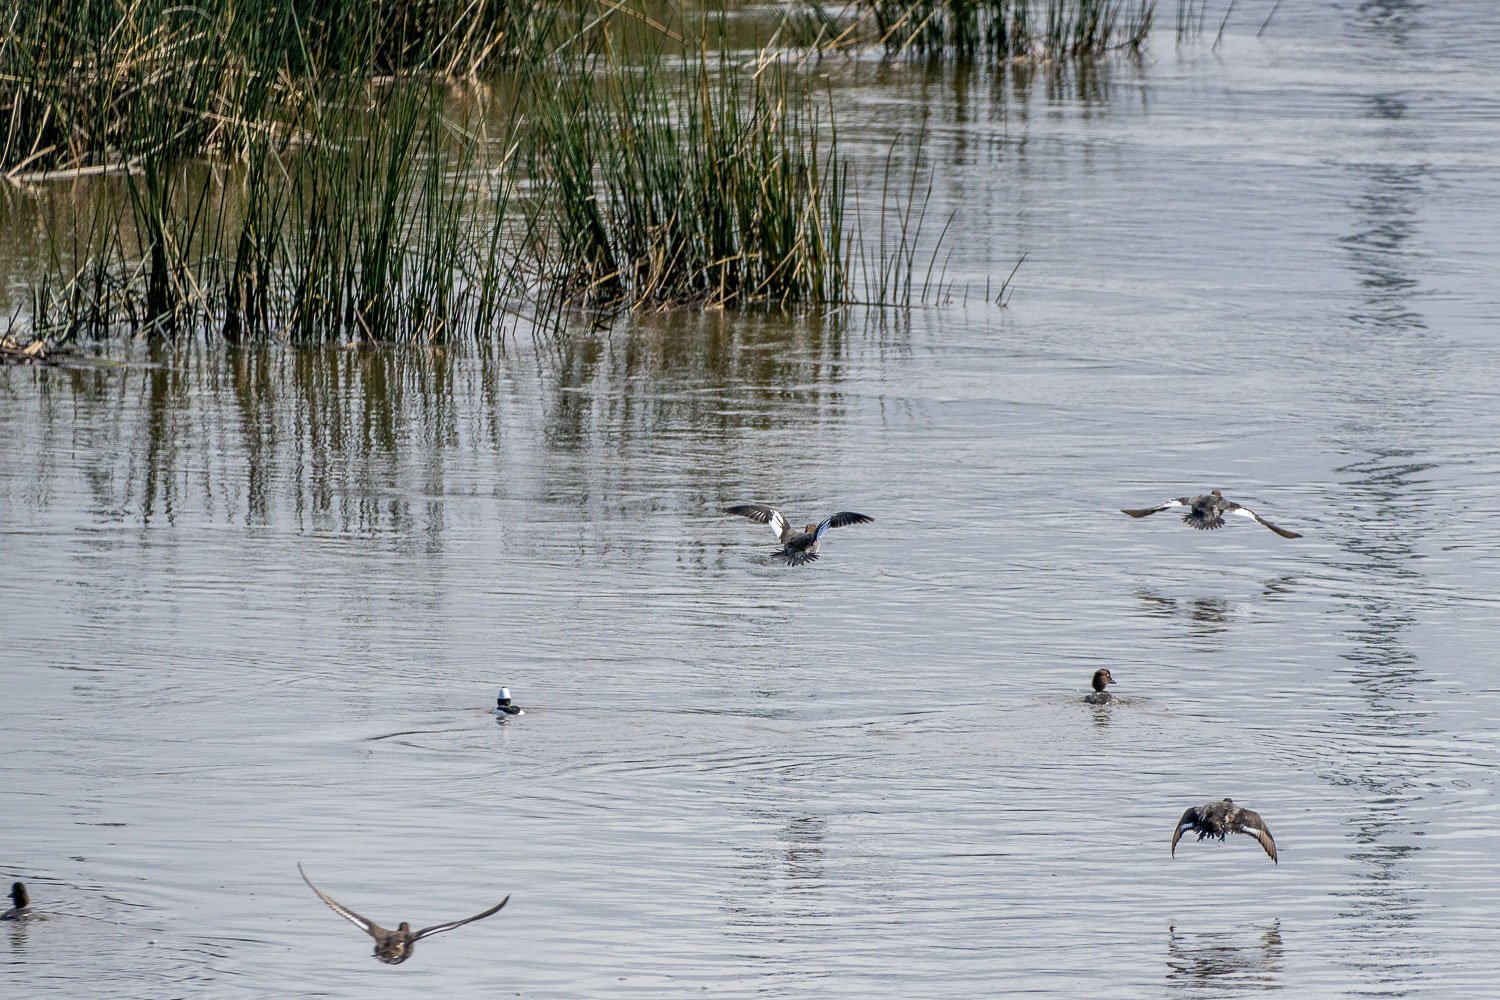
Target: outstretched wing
(842,519)
(439,928)
(1247,512)
(1148,511)
(370,927)
(1251,823)
(1188,822)
(760,514)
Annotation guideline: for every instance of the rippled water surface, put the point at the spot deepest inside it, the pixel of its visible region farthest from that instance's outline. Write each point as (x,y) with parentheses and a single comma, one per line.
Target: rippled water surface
(257,604)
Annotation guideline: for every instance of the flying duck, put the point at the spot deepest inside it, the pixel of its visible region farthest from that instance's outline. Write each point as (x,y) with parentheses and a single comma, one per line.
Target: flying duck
(1207,512)
(797,547)
(503,704)
(394,947)
(1100,696)
(18,896)
(1220,819)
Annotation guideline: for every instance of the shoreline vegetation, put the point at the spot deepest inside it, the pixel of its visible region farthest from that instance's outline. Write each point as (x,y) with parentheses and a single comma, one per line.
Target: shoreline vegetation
(447,171)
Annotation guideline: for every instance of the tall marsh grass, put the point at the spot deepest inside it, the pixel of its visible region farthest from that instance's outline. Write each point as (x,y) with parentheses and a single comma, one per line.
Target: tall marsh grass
(382,230)
(691,181)
(275,186)
(88,84)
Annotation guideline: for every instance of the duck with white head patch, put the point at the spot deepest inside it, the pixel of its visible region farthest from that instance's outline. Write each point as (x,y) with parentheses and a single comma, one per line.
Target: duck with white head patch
(504,706)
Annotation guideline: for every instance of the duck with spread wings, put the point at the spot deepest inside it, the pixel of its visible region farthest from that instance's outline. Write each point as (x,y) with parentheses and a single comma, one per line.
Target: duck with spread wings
(797,547)
(393,947)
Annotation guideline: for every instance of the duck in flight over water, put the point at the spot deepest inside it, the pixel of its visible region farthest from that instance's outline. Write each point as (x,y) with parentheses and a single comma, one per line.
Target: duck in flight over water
(1220,819)
(797,547)
(1207,512)
(393,947)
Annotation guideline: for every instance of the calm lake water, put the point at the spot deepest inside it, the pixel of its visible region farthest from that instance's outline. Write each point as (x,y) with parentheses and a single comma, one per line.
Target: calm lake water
(257,604)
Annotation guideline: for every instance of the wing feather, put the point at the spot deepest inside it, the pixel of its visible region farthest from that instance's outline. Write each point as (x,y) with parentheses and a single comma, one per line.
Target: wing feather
(365,924)
(760,514)
(1247,512)
(842,519)
(1251,823)
(439,928)
(1189,821)
(1148,511)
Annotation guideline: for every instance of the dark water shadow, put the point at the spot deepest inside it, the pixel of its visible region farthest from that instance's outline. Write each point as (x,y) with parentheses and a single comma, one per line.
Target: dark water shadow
(1202,616)
(1209,963)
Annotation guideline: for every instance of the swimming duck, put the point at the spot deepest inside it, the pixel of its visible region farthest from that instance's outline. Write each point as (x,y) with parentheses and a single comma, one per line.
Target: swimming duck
(1100,696)
(18,896)
(1207,512)
(1220,819)
(394,947)
(797,547)
(503,704)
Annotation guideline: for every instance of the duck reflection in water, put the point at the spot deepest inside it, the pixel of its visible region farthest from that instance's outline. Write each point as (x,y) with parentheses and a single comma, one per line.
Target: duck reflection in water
(1214,961)
(394,947)
(1207,615)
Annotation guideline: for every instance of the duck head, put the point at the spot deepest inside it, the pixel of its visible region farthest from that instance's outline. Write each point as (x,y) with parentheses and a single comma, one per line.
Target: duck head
(18,895)
(1101,678)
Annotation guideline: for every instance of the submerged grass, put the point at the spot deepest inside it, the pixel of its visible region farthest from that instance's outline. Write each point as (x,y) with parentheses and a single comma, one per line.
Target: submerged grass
(1010,29)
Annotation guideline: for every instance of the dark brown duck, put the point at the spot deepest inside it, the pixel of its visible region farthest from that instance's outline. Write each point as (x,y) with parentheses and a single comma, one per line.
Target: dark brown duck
(1207,512)
(393,947)
(1100,696)
(22,903)
(1220,819)
(797,547)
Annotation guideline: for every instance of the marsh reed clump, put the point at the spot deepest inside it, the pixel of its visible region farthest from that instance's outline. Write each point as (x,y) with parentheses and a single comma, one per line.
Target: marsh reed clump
(93,84)
(690,181)
(383,230)
(1010,29)
(307,198)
